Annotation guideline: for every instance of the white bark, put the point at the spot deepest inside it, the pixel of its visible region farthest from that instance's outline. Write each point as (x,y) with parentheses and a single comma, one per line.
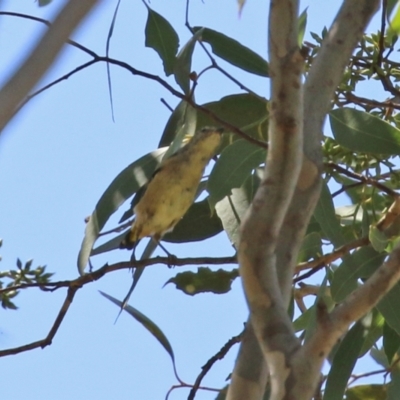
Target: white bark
(274,228)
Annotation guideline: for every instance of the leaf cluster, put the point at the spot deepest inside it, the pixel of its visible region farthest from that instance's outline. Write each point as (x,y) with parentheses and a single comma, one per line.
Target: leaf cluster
(24,274)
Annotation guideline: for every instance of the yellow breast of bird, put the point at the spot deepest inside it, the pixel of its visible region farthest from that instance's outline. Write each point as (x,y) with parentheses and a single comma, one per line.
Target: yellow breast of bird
(167,198)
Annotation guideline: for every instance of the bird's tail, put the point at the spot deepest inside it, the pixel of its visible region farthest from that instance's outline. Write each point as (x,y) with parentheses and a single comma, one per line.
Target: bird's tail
(131,239)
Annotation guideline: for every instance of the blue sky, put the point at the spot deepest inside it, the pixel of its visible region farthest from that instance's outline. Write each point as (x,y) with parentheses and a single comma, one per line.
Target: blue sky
(58,156)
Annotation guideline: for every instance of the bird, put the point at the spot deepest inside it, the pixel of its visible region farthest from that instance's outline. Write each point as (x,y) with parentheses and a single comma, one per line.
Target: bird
(173,187)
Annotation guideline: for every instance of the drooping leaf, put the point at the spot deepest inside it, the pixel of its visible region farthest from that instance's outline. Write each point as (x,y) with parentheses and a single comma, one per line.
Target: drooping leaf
(147,323)
(389,308)
(233,167)
(204,281)
(108,43)
(367,392)
(233,52)
(393,389)
(391,342)
(343,363)
(183,63)
(182,118)
(161,36)
(373,330)
(198,223)
(185,128)
(302,23)
(359,264)
(303,321)
(395,22)
(360,131)
(321,298)
(121,188)
(43,3)
(311,247)
(326,217)
(378,239)
(245,111)
(390,6)
(379,356)
(232,208)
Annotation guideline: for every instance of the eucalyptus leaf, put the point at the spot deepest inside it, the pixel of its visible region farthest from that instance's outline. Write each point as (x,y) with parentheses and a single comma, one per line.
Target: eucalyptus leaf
(363,132)
(233,167)
(121,188)
(161,36)
(343,363)
(183,63)
(233,52)
(147,323)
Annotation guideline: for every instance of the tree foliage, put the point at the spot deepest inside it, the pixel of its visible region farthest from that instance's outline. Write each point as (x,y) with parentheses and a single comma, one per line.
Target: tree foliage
(353,230)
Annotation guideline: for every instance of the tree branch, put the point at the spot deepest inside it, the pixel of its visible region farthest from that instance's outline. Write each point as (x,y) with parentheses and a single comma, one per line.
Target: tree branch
(262,224)
(331,327)
(324,76)
(76,284)
(207,366)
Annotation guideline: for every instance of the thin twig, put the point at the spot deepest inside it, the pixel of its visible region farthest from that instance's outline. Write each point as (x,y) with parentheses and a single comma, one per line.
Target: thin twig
(134,71)
(48,23)
(106,269)
(331,257)
(76,284)
(381,43)
(362,178)
(49,338)
(207,366)
(214,63)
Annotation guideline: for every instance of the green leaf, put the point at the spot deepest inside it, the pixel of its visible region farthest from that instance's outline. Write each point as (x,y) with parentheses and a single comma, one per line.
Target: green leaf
(245,111)
(363,132)
(390,5)
(379,356)
(233,167)
(43,3)
(161,37)
(389,308)
(395,22)
(232,208)
(302,23)
(326,217)
(183,63)
(393,389)
(323,298)
(359,264)
(182,118)
(187,126)
(377,238)
(147,323)
(233,52)
(367,392)
(204,281)
(304,320)
(199,223)
(121,188)
(311,248)
(343,363)
(391,342)
(373,323)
